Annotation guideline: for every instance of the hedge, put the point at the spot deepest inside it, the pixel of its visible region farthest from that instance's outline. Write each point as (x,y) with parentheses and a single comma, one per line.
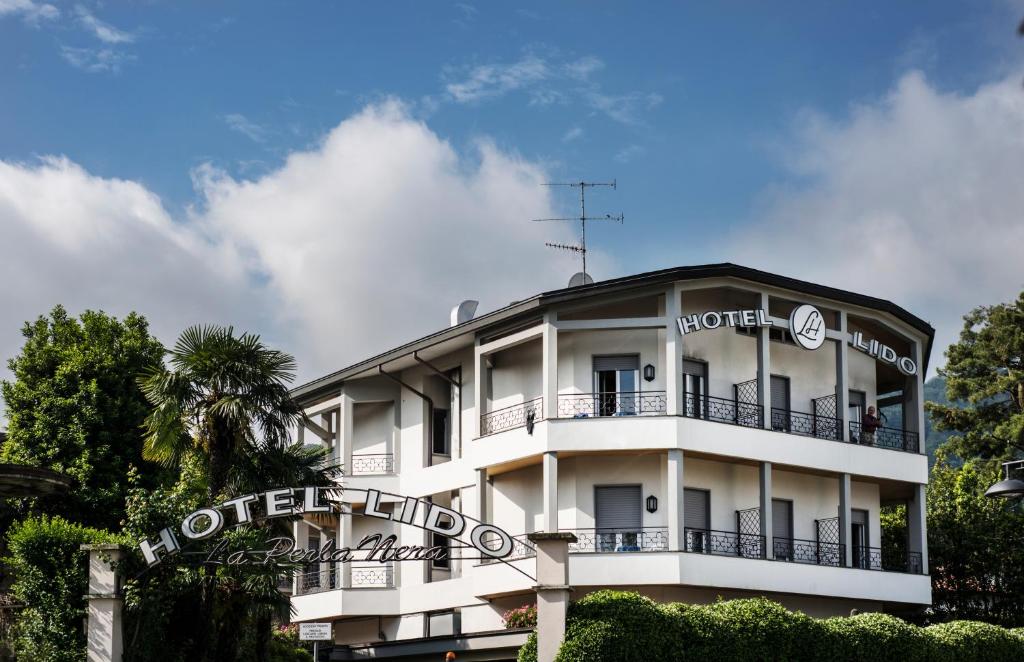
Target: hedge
(617,626)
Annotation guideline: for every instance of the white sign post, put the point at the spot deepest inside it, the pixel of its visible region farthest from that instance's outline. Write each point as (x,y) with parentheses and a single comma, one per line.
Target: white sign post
(315,632)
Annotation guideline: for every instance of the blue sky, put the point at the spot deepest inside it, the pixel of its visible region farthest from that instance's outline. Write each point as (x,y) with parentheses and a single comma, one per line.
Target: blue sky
(731,129)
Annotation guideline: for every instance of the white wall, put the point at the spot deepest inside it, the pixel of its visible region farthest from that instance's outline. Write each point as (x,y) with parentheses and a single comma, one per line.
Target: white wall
(577,349)
(373,427)
(516,376)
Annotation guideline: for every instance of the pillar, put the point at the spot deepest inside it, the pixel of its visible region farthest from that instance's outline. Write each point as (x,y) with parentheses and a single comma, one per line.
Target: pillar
(765,483)
(764,369)
(481,495)
(673,354)
(105,637)
(917,525)
(549,367)
(552,590)
(915,408)
(845,519)
(479,386)
(550,487)
(843,379)
(344,540)
(674,501)
(346,423)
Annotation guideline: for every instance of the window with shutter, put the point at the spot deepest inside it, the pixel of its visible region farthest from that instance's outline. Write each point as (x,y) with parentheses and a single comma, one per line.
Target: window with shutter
(696,518)
(618,516)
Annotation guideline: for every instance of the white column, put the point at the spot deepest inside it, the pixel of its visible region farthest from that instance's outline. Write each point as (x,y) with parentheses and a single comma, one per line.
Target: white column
(845,519)
(552,590)
(764,368)
(917,525)
(479,387)
(843,379)
(917,413)
(105,635)
(549,367)
(346,426)
(481,495)
(673,354)
(550,488)
(345,540)
(674,501)
(765,483)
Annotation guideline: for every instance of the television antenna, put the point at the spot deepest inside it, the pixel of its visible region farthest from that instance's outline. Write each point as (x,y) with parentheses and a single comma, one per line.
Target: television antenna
(581,248)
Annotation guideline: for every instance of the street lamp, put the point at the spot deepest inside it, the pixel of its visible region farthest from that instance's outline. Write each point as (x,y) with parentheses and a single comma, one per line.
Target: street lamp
(1008,487)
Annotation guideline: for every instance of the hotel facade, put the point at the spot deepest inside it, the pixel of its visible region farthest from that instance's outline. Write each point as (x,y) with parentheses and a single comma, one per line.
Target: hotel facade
(701,430)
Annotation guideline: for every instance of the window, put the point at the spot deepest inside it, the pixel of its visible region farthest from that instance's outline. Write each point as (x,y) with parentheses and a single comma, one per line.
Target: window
(695,388)
(782,528)
(441,624)
(775,334)
(859,538)
(616,382)
(780,403)
(441,540)
(618,509)
(441,433)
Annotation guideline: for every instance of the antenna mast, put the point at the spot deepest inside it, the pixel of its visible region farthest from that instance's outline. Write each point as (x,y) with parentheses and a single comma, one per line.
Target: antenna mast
(581,249)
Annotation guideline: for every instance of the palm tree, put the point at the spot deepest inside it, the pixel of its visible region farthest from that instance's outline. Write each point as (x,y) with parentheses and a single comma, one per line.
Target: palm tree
(217,393)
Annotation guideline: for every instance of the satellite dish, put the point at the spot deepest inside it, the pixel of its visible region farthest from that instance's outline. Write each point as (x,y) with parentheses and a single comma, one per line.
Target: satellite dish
(580,278)
(464,312)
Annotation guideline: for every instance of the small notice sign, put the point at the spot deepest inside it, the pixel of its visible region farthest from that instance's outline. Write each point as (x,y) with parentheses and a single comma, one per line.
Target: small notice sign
(315,632)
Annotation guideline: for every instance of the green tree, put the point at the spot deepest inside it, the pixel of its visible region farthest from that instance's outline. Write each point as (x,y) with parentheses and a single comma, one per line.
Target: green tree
(75,406)
(985,369)
(975,546)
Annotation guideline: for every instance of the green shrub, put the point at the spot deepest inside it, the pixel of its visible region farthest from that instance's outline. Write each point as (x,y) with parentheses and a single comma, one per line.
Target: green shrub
(966,641)
(617,625)
(51,580)
(871,637)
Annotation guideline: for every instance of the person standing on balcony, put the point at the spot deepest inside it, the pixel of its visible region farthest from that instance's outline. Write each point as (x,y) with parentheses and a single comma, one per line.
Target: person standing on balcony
(868,427)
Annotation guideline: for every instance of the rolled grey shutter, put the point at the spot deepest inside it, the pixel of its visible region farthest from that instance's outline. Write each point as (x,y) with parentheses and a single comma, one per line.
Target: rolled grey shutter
(618,507)
(693,367)
(695,509)
(780,393)
(628,362)
(782,517)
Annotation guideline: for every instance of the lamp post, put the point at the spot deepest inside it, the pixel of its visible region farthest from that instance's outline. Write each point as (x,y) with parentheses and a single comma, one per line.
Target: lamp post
(1008,487)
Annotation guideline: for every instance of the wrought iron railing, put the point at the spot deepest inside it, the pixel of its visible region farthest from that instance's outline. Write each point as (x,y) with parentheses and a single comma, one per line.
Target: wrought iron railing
(723,410)
(522,548)
(883,437)
(631,403)
(514,416)
(316,581)
(619,540)
(373,463)
(374,575)
(809,551)
(724,543)
(808,425)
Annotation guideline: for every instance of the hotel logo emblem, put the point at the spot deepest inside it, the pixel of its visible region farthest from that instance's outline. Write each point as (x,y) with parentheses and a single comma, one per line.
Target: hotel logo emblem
(807,326)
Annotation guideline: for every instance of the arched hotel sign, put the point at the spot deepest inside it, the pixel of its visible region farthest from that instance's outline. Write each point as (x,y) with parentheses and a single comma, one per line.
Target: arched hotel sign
(203,524)
(806,326)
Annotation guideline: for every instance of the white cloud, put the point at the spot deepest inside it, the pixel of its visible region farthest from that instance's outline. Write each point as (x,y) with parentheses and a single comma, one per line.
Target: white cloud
(493,80)
(245,126)
(96,60)
(102,30)
(31,12)
(582,68)
(574,133)
(351,247)
(629,152)
(624,108)
(916,197)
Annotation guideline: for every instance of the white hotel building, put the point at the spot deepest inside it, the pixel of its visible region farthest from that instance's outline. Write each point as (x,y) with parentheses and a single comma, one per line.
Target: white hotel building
(728,461)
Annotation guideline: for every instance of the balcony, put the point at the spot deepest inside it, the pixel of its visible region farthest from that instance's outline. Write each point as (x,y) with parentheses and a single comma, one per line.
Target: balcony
(814,552)
(635,403)
(514,416)
(723,410)
(805,425)
(883,437)
(619,540)
(724,543)
(373,575)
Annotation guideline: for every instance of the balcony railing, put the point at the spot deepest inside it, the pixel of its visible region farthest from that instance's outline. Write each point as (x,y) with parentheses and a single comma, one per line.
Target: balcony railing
(883,437)
(724,543)
(808,425)
(723,410)
(373,463)
(316,581)
(521,548)
(374,575)
(633,403)
(809,551)
(514,416)
(619,540)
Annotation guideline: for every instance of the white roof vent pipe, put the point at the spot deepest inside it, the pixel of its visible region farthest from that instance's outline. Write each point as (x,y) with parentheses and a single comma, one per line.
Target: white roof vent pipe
(464,312)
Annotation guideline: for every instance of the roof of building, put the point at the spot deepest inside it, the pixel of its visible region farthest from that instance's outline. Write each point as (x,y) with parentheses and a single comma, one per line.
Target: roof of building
(533,305)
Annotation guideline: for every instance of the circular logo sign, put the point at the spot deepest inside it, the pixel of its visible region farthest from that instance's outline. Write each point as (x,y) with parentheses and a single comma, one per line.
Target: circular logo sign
(807,326)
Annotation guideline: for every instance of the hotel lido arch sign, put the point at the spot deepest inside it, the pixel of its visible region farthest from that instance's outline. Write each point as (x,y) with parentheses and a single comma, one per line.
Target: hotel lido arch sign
(485,540)
(806,326)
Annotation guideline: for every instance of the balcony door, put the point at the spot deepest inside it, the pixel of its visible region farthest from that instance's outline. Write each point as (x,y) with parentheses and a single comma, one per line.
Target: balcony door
(695,388)
(859,538)
(616,382)
(782,528)
(780,403)
(697,519)
(617,510)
